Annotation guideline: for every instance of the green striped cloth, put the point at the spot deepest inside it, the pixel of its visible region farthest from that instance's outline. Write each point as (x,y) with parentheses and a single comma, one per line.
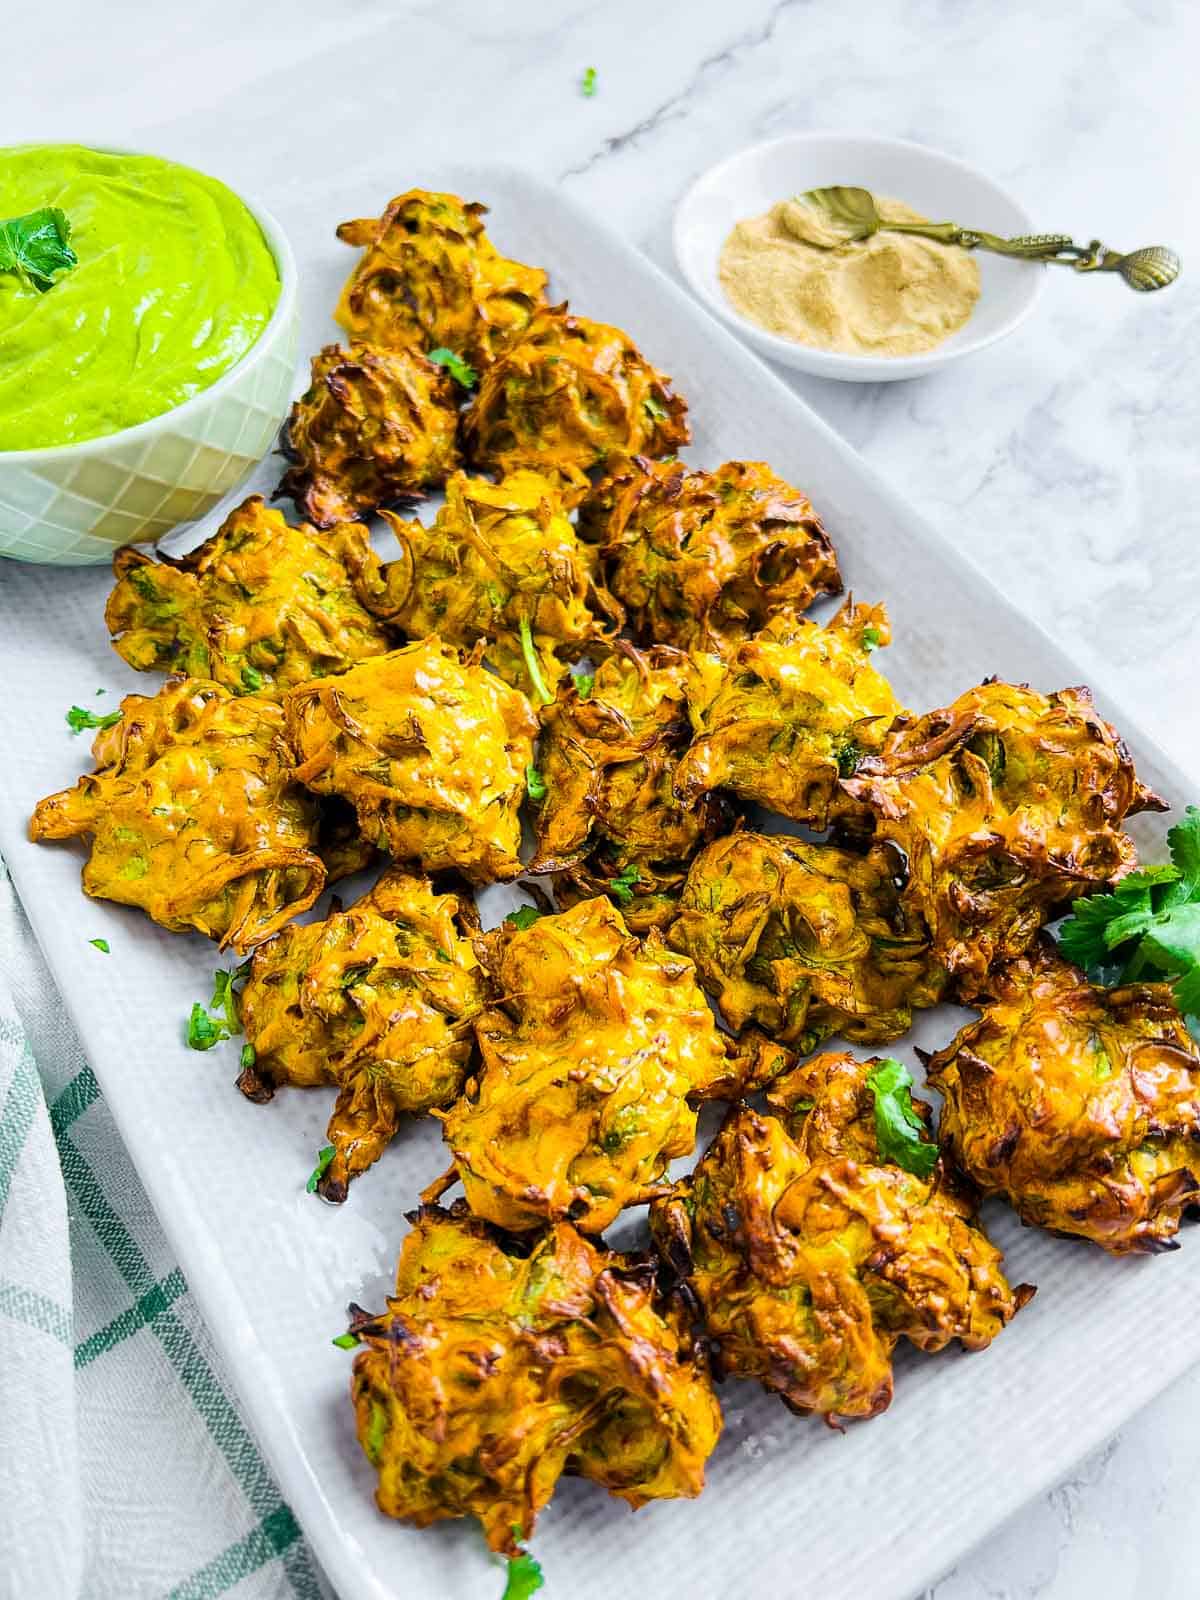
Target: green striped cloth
(127,1472)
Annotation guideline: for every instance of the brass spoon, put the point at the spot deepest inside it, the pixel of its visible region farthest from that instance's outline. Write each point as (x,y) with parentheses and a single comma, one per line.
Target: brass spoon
(851,214)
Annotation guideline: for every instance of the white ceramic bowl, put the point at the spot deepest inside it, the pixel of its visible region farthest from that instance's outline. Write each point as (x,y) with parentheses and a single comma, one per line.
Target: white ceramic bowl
(938,186)
(73,504)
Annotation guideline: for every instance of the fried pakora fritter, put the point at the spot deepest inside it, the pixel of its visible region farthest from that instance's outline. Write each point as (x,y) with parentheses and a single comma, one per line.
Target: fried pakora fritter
(811,1256)
(607,758)
(377,1001)
(1002,808)
(432,279)
(431,751)
(805,940)
(787,711)
(260,606)
(501,563)
(564,396)
(501,1364)
(592,1060)
(374,427)
(703,559)
(194,815)
(1080,1105)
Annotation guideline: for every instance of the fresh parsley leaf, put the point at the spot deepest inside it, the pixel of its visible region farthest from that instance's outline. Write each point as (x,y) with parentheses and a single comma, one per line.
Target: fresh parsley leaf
(204,1031)
(523,917)
(898,1128)
(657,411)
(622,886)
(872,638)
(524,1577)
(584,684)
(1150,923)
(324,1157)
(345,1341)
(587,84)
(532,666)
(99,944)
(461,371)
(535,784)
(36,246)
(78,719)
(252,678)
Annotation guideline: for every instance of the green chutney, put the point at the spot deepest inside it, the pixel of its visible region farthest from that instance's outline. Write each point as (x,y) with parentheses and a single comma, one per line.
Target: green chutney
(174,284)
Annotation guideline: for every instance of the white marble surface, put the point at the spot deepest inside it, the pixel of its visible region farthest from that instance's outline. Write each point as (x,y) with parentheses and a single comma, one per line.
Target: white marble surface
(1062,460)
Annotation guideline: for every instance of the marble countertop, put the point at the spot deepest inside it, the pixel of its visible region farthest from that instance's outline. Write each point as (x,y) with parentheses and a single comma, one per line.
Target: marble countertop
(1063,460)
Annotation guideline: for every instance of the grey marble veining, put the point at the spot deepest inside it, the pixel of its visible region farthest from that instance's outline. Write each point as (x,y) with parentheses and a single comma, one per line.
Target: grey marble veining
(1063,461)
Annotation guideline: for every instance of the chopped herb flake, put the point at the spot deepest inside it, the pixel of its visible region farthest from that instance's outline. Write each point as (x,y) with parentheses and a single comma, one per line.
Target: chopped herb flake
(78,719)
(461,371)
(324,1157)
(622,886)
(523,917)
(587,84)
(535,784)
(99,944)
(346,1341)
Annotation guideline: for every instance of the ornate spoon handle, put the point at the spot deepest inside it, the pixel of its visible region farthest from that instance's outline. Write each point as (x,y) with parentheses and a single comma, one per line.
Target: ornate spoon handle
(1152,267)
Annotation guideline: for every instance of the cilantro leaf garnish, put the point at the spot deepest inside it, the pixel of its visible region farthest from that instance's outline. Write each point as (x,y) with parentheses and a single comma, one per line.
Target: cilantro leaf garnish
(898,1128)
(532,666)
(78,719)
(36,246)
(345,1341)
(523,917)
(208,1026)
(657,411)
(587,84)
(871,638)
(535,784)
(461,371)
(524,1577)
(1149,926)
(252,679)
(622,886)
(204,1031)
(100,944)
(248,1057)
(584,683)
(324,1157)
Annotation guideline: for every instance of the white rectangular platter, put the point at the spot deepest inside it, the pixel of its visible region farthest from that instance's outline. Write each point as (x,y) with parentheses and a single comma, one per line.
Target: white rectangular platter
(791,1507)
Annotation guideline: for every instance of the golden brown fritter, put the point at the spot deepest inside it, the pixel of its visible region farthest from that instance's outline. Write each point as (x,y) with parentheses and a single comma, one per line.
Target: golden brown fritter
(378,1001)
(591,1063)
(260,606)
(1002,808)
(431,278)
(501,1364)
(374,427)
(805,940)
(703,559)
(501,563)
(1080,1105)
(607,758)
(430,749)
(194,815)
(564,396)
(811,1256)
(786,712)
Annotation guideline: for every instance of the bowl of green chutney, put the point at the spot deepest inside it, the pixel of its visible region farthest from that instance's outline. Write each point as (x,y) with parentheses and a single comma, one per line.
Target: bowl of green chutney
(148,332)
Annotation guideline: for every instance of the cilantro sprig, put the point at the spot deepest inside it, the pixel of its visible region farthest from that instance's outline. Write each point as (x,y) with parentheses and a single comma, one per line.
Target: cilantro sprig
(78,719)
(623,885)
(209,1025)
(898,1128)
(461,371)
(37,247)
(1149,926)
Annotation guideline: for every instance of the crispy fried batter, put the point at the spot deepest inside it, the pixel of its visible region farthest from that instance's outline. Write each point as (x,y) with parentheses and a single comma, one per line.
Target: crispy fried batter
(430,750)
(564,396)
(703,559)
(608,759)
(499,556)
(1004,807)
(1080,1105)
(374,426)
(378,1001)
(194,815)
(592,1060)
(431,278)
(811,1257)
(499,1365)
(787,711)
(260,606)
(805,940)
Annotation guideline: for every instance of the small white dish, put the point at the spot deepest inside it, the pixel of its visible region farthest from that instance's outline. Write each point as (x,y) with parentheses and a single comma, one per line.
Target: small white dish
(74,504)
(940,187)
